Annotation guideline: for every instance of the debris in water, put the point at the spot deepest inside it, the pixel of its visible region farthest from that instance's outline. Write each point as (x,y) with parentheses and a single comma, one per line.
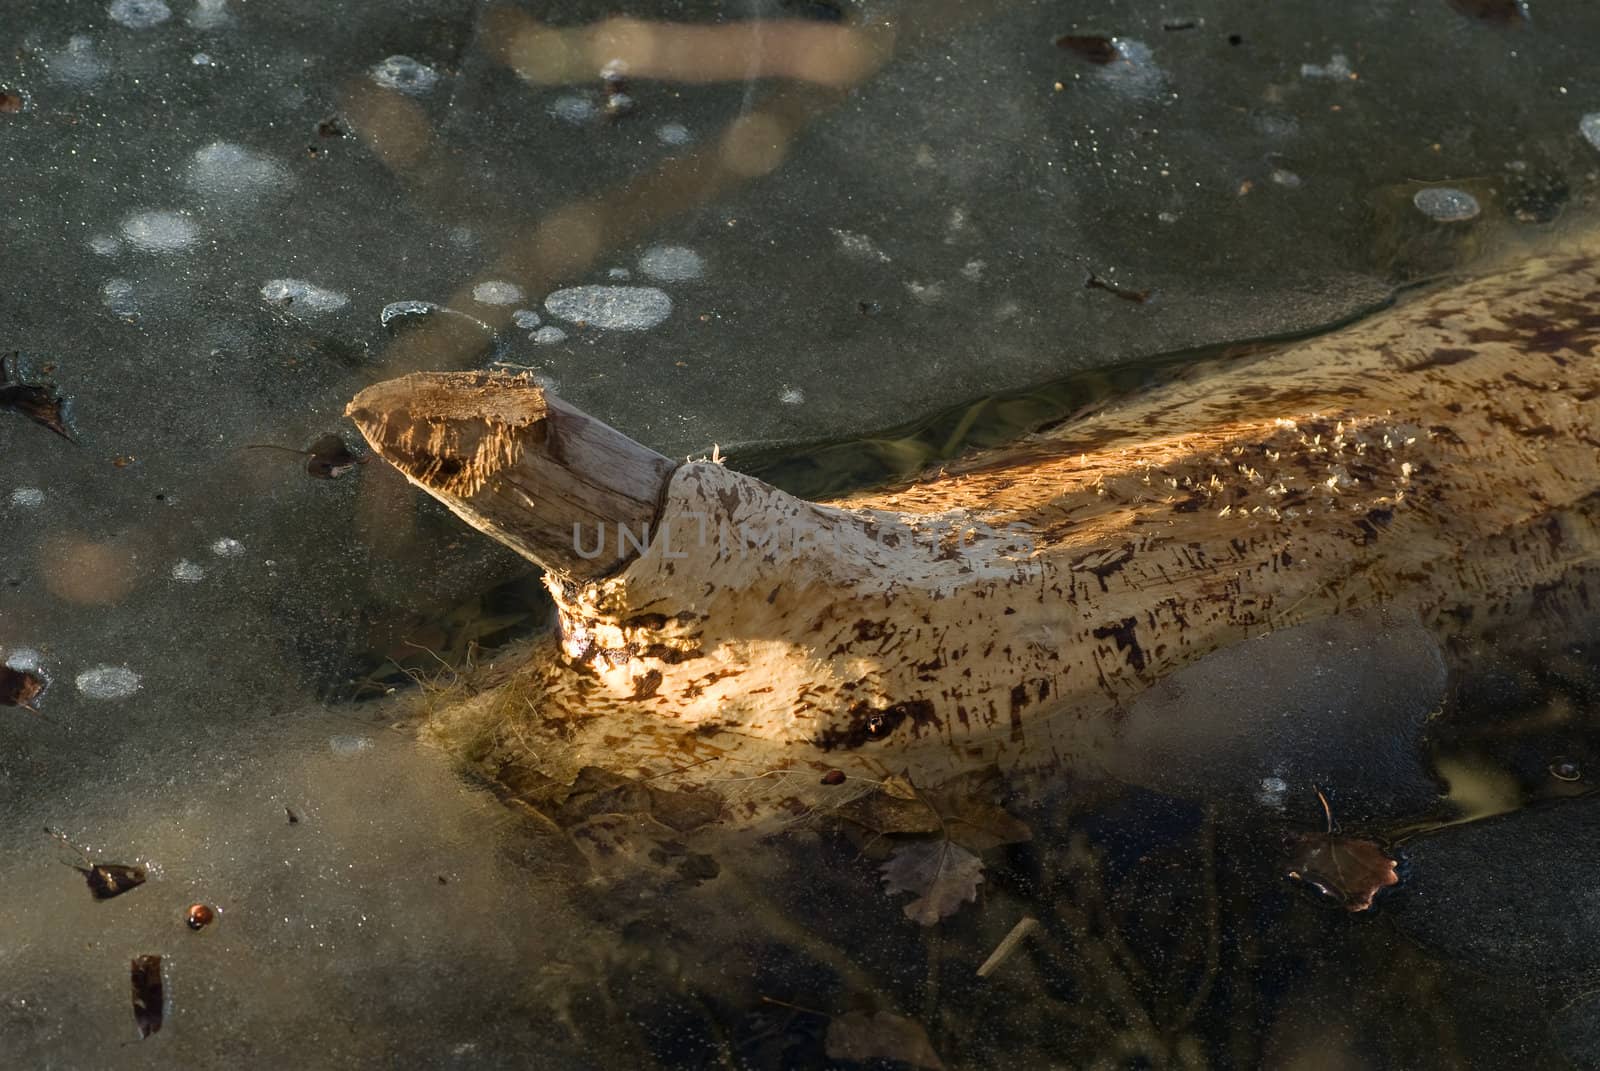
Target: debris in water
(942,874)
(149,994)
(1008,945)
(294,819)
(19,688)
(1139,297)
(1500,12)
(868,1039)
(328,457)
(40,404)
(199,916)
(105,880)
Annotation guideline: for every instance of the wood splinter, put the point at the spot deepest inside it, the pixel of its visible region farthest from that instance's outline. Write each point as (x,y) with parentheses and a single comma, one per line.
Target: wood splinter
(1440,461)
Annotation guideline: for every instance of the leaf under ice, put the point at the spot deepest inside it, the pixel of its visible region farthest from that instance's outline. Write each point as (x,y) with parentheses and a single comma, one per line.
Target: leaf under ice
(942,874)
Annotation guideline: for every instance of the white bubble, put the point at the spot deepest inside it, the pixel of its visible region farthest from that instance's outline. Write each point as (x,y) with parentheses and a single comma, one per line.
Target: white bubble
(526,319)
(1168,217)
(613,308)
(619,274)
(200,59)
(400,310)
(497,292)
(1589,127)
(972,270)
(160,232)
(405,75)
(140,14)
(209,14)
(117,295)
(1286,178)
(574,109)
(187,571)
(227,547)
(108,682)
(1446,204)
(672,263)
(105,244)
(301,297)
(226,169)
(27,498)
(672,134)
(76,65)
(792,396)
(858,246)
(549,336)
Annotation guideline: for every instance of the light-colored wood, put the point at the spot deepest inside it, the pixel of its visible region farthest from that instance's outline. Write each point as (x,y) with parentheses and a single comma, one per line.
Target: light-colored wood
(547,480)
(1440,460)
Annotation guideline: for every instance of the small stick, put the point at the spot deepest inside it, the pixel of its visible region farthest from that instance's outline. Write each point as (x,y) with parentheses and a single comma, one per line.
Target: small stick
(1008,945)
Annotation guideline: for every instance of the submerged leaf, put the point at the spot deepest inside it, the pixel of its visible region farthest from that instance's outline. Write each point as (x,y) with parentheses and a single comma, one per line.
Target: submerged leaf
(149,994)
(330,458)
(107,880)
(862,1038)
(19,688)
(942,874)
(1095,48)
(40,404)
(1345,869)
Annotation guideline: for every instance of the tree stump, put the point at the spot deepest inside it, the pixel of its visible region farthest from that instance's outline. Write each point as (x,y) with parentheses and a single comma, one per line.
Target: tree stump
(716,635)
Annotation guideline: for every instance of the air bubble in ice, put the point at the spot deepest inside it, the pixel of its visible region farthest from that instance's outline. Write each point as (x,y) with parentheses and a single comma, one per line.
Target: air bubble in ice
(672,263)
(108,682)
(1589,127)
(405,75)
(1446,204)
(397,314)
(140,14)
(497,292)
(187,571)
(226,169)
(613,308)
(160,232)
(227,547)
(549,336)
(27,497)
(526,319)
(300,296)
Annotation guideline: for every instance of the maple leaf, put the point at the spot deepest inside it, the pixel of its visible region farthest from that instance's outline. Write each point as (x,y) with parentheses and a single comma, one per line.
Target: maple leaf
(942,874)
(1346,869)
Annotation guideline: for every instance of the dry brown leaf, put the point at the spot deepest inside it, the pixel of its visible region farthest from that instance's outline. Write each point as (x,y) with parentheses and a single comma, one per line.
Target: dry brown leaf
(1345,869)
(942,874)
(862,1038)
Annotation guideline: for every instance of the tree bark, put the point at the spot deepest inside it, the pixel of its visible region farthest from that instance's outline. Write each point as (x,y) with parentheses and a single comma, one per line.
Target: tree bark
(1439,461)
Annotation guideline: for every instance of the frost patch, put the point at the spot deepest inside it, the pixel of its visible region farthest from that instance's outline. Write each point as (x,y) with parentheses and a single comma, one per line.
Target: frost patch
(497,292)
(526,319)
(188,572)
(792,396)
(299,296)
(612,308)
(549,336)
(76,65)
(105,244)
(160,232)
(224,169)
(1446,204)
(672,263)
(140,14)
(405,75)
(227,548)
(27,498)
(108,682)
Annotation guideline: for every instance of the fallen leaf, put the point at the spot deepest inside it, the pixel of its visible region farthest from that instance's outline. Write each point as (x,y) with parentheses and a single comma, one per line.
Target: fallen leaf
(40,404)
(943,875)
(19,688)
(105,880)
(862,1038)
(1092,47)
(330,458)
(149,994)
(1344,869)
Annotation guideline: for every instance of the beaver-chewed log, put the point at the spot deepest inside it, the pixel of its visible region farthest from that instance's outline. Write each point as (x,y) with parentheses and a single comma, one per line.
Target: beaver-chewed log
(1440,460)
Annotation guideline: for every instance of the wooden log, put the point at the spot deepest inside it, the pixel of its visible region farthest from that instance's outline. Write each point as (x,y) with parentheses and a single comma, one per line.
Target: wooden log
(519,465)
(1440,461)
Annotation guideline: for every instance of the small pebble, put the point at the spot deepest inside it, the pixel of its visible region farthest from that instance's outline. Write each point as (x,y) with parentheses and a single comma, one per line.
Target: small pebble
(199,916)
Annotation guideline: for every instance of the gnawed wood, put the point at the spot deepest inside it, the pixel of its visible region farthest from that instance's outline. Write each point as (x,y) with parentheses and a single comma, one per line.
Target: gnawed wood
(521,465)
(1439,461)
